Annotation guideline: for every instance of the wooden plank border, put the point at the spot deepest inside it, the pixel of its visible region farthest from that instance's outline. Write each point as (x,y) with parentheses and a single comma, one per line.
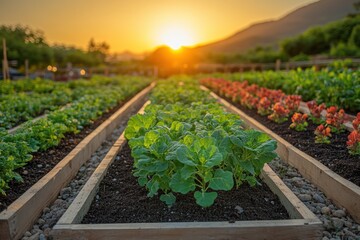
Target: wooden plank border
(303,225)
(341,191)
(23,212)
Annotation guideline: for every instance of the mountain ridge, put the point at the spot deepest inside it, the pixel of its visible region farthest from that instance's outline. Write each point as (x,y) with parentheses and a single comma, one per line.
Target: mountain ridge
(271,31)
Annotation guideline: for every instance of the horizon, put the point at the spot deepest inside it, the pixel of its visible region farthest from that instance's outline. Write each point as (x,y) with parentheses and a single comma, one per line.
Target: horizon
(180,24)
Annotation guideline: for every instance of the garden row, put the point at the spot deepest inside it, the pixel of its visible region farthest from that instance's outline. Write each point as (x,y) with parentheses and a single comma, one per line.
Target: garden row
(17,148)
(279,107)
(330,162)
(50,170)
(25,99)
(190,161)
(185,143)
(337,86)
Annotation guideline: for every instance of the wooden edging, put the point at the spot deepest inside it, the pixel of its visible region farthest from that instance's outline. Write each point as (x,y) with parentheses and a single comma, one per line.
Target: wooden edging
(304,225)
(341,191)
(22,213)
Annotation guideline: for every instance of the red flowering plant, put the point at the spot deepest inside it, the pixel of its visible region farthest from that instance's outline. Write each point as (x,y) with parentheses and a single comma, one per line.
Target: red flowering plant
(335,119)
(299,122)
(353,143)
(264,106)
(322,134)
(250,101)
(279,113)
(356,122)
(315,111)
(292,103)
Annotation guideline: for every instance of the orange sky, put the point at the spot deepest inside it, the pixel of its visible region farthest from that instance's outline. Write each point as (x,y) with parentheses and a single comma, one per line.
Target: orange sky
(141,25)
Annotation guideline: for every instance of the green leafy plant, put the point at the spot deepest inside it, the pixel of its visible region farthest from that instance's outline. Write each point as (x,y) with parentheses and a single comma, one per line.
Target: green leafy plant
(191,147)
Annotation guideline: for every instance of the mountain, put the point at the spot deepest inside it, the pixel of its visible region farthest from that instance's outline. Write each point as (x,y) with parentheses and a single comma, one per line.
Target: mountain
(269,32)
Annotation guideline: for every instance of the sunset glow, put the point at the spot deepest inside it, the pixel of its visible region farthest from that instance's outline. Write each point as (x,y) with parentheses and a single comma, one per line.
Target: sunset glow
(176,37)
(141,25)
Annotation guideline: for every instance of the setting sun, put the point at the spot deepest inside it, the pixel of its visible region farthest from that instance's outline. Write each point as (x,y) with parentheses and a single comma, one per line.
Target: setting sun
(176,37)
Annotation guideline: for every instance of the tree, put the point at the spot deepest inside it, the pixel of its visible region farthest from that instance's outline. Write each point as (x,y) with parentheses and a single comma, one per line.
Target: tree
(98,50)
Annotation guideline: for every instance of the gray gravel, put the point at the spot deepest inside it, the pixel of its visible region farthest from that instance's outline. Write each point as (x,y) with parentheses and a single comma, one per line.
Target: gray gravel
(51,214)
(336,221)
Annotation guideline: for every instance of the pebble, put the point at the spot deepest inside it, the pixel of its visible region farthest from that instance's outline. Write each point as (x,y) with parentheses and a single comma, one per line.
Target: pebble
(304,197)
(41,221)
(27,234)
(239,209)
(42,237)
(337,223)
(25,172)
(39,165)
(339,213)
(325,210)
(318,198)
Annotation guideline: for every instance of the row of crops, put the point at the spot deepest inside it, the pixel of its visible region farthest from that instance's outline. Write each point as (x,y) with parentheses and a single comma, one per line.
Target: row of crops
(23,100)
(333,86)
(279,107)
(186,143)
(88,100)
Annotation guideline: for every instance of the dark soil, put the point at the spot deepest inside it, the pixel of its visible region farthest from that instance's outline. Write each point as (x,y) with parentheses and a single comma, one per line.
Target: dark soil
(334,155)
(122,200)
(44,162)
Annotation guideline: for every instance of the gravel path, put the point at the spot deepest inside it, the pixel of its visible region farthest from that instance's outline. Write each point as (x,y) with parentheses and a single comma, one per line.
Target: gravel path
(337,223)
(51,214)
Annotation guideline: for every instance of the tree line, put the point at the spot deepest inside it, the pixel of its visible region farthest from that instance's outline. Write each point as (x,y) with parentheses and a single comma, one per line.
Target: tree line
(24,43)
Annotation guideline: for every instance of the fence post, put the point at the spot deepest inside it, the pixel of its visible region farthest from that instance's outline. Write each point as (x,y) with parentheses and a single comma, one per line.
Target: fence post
(26,68)
(277,65)
(6,73)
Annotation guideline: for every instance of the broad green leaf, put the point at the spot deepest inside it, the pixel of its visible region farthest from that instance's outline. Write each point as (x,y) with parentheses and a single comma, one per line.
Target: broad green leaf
(169,198)
(178,184)
(222,180)
(184,156)
(205,199)
(187,171)
(188,140)
(142,181)
(150,138)
(153,187)
(248,166)
(214,160)
(251,180)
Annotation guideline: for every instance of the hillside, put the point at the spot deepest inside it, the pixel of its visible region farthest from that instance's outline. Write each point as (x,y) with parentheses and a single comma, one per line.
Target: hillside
(268,33)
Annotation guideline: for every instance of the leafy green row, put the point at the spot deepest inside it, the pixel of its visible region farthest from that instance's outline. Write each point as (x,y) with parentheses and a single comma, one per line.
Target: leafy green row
(330,86)
(16,149)
(193,146)
(27,99)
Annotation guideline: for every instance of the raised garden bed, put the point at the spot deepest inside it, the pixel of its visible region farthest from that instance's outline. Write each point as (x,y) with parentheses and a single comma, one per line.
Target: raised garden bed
(191,222)
(22,212)
(343,192)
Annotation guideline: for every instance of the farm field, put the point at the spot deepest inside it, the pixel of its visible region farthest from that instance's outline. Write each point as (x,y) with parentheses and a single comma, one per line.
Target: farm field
(185,120)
